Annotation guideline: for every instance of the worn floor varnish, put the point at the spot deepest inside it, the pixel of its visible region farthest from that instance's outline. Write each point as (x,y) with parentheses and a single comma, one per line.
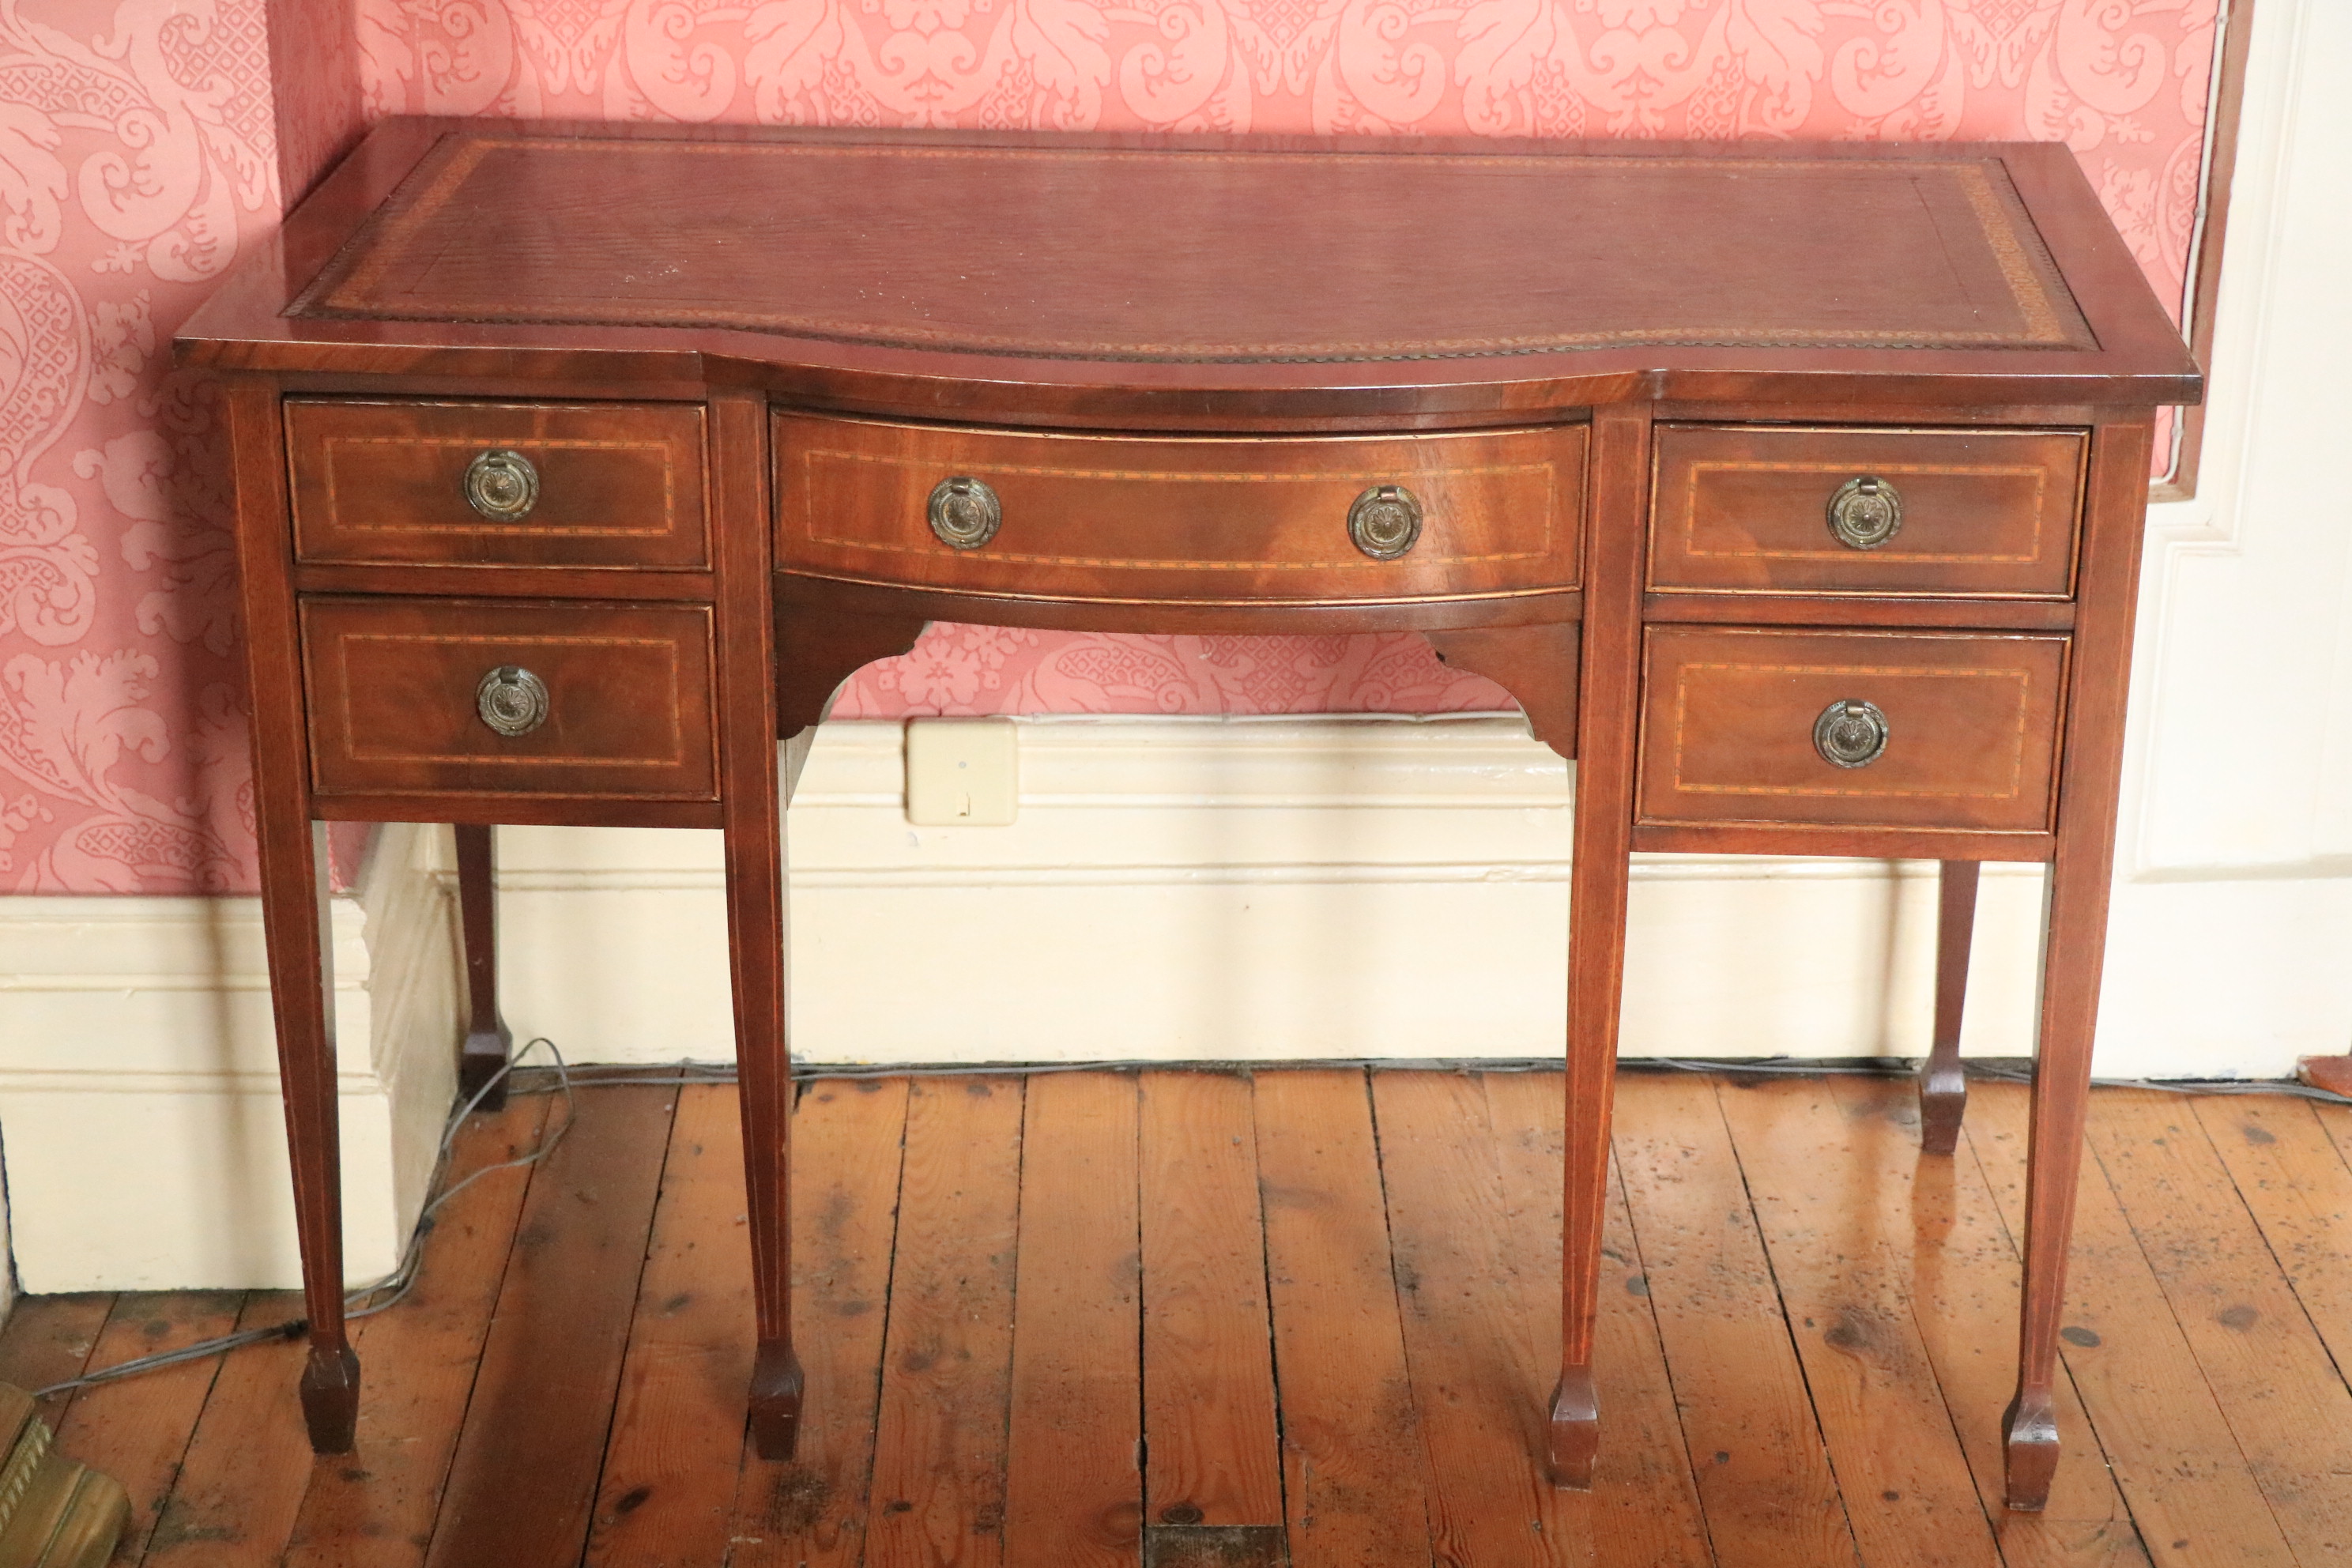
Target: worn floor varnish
(1300,1320)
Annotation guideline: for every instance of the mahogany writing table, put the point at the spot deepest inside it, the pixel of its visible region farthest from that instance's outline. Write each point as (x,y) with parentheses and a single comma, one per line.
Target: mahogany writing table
(1795,491)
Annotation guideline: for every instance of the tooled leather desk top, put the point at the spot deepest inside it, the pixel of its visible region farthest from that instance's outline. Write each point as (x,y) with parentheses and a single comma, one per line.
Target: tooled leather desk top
(1121,276)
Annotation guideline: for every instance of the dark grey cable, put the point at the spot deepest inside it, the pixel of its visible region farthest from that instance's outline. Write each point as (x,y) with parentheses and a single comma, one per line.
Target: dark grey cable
(370,1298)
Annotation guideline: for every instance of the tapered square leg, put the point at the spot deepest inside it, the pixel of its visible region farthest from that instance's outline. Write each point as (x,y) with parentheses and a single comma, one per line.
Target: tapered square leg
(488,1044)
(751,813)
(1943,1087)
(292,850)
(294,915)
(2074,940)
(1596,939)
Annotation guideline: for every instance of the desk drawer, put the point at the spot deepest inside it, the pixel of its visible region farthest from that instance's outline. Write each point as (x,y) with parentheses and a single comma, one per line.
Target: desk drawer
(1776,508)
(1195,519)
(1930,730)
(501,484)
(454,696)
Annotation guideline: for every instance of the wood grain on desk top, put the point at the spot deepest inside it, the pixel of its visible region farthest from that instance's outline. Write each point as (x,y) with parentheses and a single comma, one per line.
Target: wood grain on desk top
(944,272)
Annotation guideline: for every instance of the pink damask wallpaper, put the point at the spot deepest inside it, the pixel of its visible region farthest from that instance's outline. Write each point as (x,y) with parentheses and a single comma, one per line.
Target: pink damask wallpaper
(143,141)
(138,151)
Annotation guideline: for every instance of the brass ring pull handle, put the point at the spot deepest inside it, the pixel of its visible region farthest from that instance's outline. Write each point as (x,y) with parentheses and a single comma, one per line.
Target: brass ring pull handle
(965,513)
(1865,512)
(501,486)
(511,700)
(1385,521)
(1850,733)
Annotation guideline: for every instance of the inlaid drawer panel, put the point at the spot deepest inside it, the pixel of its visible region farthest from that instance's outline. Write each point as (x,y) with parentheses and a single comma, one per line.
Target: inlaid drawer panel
(510,484)
(453,696)
(1778,508)
(1197,519)
(1920,730)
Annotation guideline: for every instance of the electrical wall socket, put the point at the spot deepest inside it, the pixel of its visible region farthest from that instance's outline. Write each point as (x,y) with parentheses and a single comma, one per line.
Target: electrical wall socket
(962,772)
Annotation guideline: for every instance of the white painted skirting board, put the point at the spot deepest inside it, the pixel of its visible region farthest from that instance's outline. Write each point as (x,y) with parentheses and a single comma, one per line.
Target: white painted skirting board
(1254,889)
(1250,890)
(139,1107)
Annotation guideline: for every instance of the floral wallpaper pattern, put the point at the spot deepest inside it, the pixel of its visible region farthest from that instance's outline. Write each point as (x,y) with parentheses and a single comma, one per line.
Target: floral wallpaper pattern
(138,151)
(143,141)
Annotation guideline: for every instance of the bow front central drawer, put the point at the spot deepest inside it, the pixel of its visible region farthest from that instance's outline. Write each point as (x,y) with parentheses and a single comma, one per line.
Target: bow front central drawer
(1198,519)
(425,697)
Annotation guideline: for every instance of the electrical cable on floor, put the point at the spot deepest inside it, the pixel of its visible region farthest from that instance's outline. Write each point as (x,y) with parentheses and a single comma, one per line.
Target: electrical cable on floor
(1998,1070)
(366,1300)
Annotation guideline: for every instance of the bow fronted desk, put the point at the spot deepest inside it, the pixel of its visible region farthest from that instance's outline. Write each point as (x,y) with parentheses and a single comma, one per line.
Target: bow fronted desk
(1795,491)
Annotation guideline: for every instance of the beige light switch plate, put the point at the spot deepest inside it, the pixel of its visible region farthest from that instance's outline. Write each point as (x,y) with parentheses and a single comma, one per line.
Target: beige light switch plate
(962,772)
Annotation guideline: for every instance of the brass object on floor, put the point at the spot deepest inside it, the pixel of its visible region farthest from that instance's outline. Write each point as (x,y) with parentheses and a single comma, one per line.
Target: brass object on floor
(55,1512)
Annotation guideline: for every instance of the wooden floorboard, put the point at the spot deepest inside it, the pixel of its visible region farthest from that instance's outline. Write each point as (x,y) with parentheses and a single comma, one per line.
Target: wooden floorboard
(1962,1296)
(1208,1362)
(1481,1381)
(1838,1228)
(142,1425)
(2290,1173)
(418,1360)
(49,1340)
(526,1468)
(946,1362)
(1354,1485)
(1645,1496)
(2183,1475)
(666,1496)
(240,1483)
(1172,1318)
(2269,1369)
(848,1145)
(1074,1470)
(1764,1475)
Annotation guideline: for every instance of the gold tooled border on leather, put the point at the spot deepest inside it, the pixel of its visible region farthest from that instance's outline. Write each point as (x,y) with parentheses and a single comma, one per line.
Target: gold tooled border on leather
(345,287)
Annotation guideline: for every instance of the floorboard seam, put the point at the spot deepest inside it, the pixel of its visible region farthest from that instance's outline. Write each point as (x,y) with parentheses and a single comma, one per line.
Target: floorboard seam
(1404,1341)
(882,1341)
(1666,1362)
(1142,1312)
(1780,1296)
(2092,1159)
(496,1293)
(2329,1132)
(2082,1403)
(2286,1273)
(636,1285)
(180,1465)
(1273,1346)
(1013,1307)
